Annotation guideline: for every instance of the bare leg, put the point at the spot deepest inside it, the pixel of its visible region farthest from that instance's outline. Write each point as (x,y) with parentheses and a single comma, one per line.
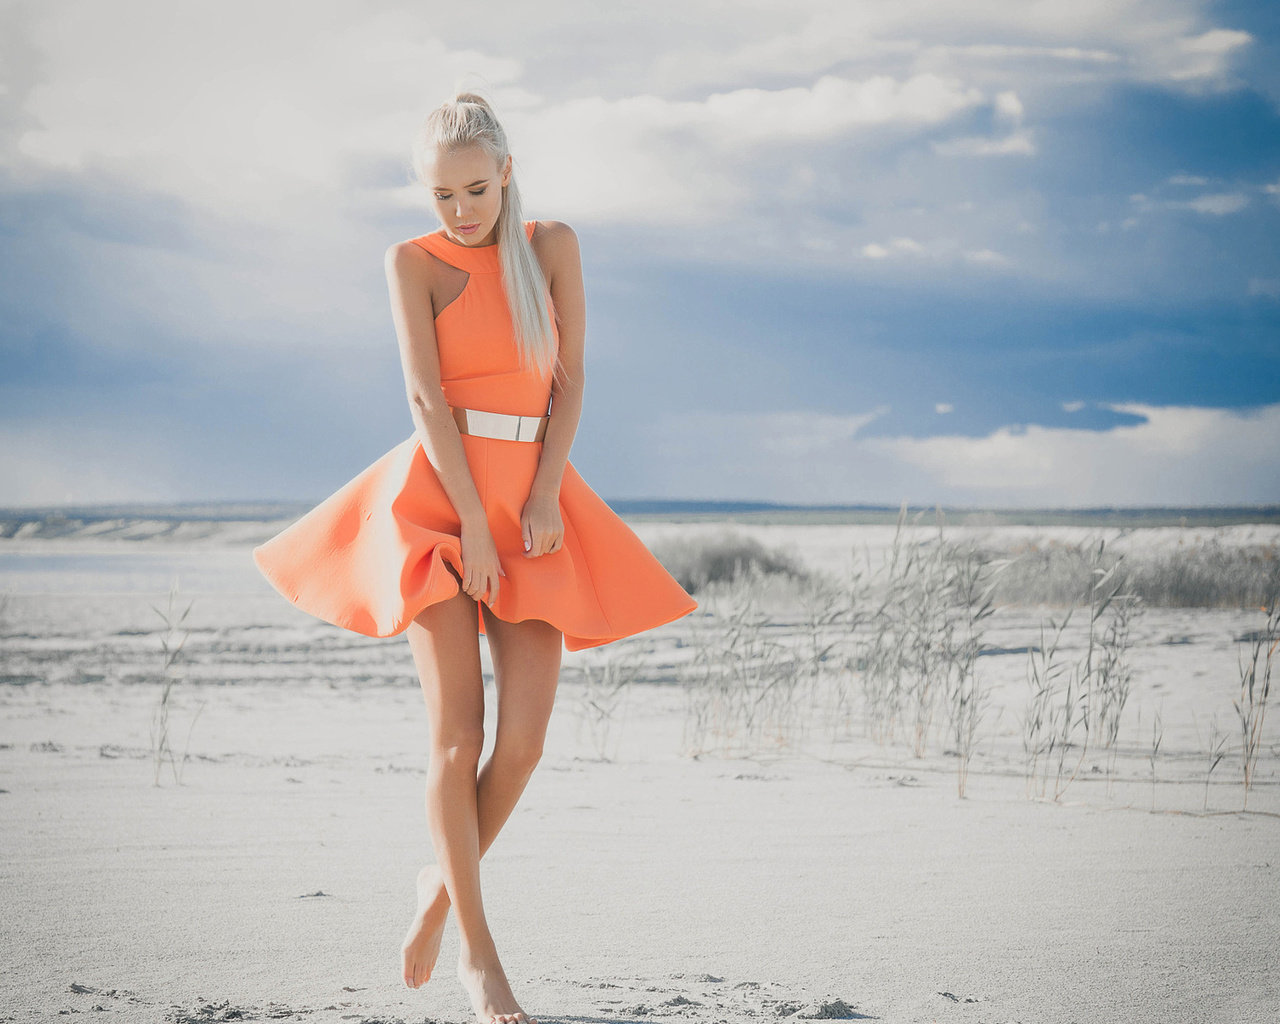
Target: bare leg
(446,652)
(526,664)
(526,667)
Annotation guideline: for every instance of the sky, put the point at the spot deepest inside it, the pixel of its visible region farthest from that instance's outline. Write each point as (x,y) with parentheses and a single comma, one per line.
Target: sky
(993,254)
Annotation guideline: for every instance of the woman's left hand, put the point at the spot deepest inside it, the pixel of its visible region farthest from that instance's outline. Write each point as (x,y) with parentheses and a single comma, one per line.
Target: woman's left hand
(542,527)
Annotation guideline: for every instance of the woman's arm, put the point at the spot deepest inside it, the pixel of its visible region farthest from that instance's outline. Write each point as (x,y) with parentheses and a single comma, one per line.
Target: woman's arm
(557,247)
(409,281)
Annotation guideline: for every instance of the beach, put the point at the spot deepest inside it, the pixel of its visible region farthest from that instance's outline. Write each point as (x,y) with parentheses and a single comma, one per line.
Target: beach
(649,872)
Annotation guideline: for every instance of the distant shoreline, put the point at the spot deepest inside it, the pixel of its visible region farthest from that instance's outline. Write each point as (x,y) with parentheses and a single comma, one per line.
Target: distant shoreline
(691,511)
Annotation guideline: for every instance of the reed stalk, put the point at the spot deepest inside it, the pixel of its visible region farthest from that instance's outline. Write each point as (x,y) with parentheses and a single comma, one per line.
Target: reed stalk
(1255,690)
(172,641)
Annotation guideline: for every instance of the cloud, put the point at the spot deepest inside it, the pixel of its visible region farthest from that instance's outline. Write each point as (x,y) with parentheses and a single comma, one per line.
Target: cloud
(183,101)
(1170,42)
(1206,55)
(945,251)
(657,160)
(1219,204)
(1008,110)
(895,247)
(985,256)
(942,408)
(1019,143)
(1178,455)
(782,456)
(49,464)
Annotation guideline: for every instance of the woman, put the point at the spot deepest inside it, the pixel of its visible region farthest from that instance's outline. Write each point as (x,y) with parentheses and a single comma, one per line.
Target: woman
(478,523)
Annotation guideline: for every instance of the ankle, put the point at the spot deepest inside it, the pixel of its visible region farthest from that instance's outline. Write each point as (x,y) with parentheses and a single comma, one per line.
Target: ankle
(480,954)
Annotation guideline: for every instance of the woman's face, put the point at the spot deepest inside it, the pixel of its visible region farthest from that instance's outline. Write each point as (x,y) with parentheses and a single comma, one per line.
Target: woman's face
(466,188)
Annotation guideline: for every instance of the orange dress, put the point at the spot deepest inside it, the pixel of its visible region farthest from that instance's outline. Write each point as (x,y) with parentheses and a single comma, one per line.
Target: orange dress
(372,555)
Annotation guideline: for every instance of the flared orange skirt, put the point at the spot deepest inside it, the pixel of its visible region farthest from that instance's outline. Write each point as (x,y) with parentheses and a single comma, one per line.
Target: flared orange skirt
(373,555)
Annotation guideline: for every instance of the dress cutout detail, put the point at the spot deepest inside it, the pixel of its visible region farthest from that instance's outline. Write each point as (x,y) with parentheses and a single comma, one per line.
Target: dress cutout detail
(373,555)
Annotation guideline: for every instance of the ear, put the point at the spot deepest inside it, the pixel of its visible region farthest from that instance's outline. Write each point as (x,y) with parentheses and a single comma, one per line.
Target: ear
(506,172)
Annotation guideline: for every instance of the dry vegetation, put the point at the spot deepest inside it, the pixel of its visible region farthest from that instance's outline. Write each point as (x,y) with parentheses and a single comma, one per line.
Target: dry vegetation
(779,653)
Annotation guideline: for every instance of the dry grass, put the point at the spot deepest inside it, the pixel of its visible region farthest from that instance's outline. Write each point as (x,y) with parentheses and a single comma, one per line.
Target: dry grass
(775,651)
(697,562)
(1255,690)
(1209,575)
(893,649)
(607,677)
(1073,706)
(171,642)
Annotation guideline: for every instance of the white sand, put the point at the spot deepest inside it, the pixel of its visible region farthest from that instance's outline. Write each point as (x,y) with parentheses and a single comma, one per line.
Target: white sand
(754,888)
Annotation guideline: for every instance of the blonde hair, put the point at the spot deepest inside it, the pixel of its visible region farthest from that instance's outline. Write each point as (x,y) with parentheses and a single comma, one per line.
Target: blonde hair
(469,120)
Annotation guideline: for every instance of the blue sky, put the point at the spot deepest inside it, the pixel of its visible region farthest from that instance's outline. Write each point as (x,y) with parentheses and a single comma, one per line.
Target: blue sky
(1000,254)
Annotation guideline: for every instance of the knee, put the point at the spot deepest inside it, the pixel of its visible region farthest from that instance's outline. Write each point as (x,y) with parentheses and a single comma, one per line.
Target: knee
(458,750)
(518,751)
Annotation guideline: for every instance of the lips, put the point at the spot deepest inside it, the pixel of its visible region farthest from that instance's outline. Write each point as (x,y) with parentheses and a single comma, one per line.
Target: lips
(468,229)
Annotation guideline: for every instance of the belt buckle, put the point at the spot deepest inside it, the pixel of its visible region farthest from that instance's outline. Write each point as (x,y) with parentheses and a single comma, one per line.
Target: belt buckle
(498,425)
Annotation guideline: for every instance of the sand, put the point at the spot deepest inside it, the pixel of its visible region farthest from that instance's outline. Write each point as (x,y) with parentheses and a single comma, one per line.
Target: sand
(835,878)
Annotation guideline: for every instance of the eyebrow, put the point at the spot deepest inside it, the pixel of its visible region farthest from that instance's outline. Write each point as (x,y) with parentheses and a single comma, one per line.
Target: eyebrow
(445,188)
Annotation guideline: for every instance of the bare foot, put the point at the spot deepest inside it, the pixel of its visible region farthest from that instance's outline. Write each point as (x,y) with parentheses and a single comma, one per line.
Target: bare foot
(490,994)
(422,944)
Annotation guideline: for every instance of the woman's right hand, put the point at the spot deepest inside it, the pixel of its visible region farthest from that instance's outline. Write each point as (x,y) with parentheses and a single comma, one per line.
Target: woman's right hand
(480,562)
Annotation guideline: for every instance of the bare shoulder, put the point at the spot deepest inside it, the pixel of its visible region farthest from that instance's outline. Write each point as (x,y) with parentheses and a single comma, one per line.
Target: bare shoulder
(556,246)
(406,256)
(554,240)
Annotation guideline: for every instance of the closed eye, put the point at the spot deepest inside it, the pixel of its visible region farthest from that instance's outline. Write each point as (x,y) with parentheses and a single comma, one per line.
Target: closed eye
(474,192)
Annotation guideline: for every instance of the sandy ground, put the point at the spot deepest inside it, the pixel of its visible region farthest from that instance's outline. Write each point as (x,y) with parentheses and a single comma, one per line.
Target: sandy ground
(835,878)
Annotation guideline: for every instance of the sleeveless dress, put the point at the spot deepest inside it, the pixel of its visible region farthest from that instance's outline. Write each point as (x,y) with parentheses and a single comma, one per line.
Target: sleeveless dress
(372,555)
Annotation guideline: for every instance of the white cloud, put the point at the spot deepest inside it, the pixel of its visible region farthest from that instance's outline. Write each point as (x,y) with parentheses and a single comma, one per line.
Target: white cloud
(985,256)
(1218,204)
(1264,286)
(55,464)
(1188,179)
(183,100)
(286,146)
(1171,42)
(655,160)
(942,408)
(896,247)
(1206,55)
(1019,143)
(1007,109)
(1072,406)
(942,251)
(270,124)
(1177,455)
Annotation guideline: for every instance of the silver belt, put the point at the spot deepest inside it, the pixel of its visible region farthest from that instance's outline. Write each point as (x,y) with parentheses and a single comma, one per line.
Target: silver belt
(500,425)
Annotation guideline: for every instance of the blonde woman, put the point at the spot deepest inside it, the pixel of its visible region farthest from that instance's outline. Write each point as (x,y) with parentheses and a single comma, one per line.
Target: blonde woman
(478,523)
